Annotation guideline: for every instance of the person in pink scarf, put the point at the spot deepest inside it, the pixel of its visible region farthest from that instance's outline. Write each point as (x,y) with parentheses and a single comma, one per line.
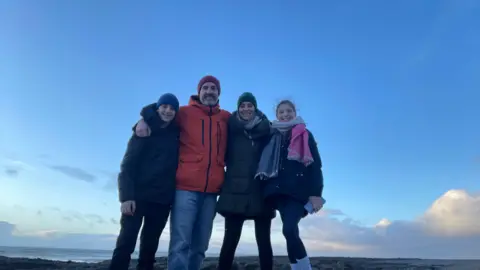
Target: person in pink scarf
(291,166)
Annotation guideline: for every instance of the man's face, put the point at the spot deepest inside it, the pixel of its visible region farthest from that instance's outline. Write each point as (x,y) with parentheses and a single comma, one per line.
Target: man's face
(166,112)
(209,94)
(246,110)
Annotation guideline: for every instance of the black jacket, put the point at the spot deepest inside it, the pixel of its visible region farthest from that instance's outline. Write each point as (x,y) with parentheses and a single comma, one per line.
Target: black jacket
(241,194)
(294,179)
(149,165)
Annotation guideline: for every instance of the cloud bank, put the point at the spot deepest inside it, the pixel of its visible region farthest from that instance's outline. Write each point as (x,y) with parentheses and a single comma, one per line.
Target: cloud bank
(13,167)
(75,173)
(449,228)
(12,172)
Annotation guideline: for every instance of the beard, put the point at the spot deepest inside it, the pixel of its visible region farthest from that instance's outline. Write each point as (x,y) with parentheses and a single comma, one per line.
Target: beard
(209,99)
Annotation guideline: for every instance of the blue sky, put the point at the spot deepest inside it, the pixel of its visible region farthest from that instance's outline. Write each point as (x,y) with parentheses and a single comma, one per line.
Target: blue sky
(389,89)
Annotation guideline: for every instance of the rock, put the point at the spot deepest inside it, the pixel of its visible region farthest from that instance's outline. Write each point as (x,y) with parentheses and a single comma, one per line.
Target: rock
(283,267)
(236,266)
(251,263)
(251,266)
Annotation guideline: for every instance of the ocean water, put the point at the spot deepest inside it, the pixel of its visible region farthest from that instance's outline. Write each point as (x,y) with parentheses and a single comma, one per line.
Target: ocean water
(62,254)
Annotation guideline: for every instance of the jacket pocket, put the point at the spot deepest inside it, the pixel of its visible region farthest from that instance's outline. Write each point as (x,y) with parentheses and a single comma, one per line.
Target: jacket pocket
(219,136)
(191,158)
(203,132)
(189,170)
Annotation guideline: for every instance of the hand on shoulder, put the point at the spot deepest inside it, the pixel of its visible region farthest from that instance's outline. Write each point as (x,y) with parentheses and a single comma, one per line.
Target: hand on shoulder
(142,129)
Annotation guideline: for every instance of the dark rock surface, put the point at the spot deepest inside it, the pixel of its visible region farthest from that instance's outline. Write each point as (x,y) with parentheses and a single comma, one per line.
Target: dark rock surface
(251,263)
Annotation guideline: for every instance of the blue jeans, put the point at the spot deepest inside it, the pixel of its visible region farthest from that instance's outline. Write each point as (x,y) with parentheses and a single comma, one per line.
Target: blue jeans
(191,224)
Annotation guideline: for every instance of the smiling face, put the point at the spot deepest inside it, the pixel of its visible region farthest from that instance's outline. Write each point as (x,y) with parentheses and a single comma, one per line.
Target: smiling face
(166,112)
(286,112)
(246,110)
(208,94)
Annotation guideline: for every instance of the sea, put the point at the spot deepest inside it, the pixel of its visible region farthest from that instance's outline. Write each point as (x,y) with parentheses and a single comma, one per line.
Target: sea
(62,254)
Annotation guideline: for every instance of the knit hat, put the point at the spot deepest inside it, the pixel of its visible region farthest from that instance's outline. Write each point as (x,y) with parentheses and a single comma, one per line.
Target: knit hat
(247,97)
(208,78)
(169,99)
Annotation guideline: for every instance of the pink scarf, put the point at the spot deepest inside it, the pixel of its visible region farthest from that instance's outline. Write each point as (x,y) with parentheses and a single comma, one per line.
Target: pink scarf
(299,149)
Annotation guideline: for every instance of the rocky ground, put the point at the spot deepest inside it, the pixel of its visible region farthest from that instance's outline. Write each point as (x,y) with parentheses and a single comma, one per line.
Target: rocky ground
(251,263)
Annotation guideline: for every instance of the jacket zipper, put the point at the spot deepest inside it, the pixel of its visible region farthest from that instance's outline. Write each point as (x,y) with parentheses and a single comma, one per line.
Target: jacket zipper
(210,149)
(203,132)
(219,135)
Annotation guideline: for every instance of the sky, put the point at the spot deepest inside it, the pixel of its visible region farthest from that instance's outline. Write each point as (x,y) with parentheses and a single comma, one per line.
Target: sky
(390,91)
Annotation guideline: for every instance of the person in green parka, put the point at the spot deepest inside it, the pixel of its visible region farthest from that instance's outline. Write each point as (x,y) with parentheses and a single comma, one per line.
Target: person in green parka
(241,197)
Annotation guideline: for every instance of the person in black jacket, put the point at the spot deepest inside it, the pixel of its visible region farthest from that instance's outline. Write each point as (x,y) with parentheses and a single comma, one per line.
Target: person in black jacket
(292,169)
(241,197)
(146,186)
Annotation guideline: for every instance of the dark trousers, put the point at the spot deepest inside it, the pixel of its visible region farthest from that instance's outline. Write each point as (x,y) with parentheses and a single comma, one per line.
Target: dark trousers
(291,212)
(233,231)
(154,217)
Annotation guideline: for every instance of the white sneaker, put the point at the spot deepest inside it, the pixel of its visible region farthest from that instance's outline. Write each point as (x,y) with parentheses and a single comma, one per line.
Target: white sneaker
(303,264)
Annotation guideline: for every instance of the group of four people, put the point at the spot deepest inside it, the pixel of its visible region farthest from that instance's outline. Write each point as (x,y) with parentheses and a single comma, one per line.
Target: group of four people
(174,166)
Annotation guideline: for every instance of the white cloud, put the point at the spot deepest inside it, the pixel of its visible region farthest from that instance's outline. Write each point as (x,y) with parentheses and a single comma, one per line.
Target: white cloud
(449,228)
(456,213)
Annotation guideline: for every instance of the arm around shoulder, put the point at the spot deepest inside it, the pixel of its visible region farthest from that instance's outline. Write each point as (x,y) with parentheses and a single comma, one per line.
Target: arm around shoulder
(317,174)
(143,127)
(126,184)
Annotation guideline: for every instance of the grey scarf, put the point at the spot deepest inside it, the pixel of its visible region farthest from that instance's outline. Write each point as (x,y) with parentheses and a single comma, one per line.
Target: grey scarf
(250,124)
(270,159)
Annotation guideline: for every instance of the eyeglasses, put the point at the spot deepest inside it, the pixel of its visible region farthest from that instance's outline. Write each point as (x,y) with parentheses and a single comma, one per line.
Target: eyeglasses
(212,87)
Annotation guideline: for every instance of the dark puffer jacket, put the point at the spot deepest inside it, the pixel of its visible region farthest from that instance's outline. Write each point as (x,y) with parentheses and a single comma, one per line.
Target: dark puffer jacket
(294,179)
(241,194)
(148,168)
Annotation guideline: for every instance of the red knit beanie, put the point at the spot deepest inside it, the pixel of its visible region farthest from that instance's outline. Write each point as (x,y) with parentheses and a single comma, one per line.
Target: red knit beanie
(208,78)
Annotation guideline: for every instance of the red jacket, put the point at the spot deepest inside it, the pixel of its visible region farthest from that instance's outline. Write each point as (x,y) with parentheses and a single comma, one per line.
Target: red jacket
(203,143)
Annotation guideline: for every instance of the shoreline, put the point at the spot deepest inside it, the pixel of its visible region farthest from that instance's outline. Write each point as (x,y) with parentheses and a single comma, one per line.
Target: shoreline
(251,263)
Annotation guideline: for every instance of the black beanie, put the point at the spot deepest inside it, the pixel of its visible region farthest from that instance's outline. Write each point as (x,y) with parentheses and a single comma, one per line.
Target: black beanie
(169,99)
(247,97)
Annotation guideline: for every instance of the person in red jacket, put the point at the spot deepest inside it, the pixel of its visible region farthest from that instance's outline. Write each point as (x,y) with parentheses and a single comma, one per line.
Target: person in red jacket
(200,173)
